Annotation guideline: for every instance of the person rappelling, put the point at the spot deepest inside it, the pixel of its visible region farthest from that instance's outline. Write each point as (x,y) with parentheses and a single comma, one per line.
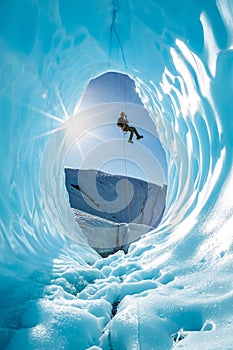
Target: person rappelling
(123,122)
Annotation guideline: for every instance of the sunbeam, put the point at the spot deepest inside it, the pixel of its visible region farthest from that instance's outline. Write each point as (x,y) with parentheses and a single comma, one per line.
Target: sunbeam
(36,109)
(62,104)
(51,132)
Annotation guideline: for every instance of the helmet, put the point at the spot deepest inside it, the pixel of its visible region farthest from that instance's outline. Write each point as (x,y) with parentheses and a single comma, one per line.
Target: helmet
(122,114)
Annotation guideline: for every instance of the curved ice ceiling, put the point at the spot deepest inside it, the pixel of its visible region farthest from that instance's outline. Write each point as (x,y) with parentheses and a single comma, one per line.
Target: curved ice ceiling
(180,55)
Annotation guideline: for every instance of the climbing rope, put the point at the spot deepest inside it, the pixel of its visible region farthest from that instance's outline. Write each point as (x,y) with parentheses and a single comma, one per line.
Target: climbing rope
(125,154)
(127,180)
(114,32)
(125,94)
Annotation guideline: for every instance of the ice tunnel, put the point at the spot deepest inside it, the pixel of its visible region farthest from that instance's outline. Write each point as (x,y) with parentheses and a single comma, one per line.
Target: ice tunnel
(174,286)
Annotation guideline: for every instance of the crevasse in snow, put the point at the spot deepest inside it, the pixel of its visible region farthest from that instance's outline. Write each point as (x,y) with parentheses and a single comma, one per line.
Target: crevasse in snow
(174,287)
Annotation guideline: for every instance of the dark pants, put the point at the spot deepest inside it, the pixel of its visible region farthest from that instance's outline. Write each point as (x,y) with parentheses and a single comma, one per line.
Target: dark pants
(132,131)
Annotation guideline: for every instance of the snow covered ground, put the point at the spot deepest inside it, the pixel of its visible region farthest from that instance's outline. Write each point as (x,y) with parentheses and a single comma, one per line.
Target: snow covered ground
(174,287)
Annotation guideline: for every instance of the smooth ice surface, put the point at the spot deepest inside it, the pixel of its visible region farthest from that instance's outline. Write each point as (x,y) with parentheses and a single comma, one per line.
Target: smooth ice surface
(173,290)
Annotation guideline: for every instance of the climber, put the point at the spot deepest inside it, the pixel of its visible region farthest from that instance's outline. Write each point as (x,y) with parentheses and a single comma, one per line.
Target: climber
(122,122)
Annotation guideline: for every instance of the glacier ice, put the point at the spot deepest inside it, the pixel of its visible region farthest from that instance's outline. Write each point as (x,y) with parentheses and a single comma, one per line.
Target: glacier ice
(56,292)
(113,210)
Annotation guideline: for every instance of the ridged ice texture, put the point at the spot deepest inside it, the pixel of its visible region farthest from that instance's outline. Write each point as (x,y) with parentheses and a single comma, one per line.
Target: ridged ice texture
(180,55)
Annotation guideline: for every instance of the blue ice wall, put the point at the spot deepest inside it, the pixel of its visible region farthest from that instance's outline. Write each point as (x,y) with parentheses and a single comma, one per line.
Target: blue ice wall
(180,55)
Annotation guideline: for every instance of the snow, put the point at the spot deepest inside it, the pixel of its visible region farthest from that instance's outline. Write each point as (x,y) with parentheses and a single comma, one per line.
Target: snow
(173,289)
(112,216)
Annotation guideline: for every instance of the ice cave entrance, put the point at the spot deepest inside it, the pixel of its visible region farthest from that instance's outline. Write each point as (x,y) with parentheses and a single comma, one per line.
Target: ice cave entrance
(117,190)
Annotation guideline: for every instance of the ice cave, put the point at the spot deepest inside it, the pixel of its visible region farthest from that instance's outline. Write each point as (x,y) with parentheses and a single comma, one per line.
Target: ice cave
(173,288)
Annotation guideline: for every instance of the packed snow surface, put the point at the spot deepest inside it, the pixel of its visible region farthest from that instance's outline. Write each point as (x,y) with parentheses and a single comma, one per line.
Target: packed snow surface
(174,287)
